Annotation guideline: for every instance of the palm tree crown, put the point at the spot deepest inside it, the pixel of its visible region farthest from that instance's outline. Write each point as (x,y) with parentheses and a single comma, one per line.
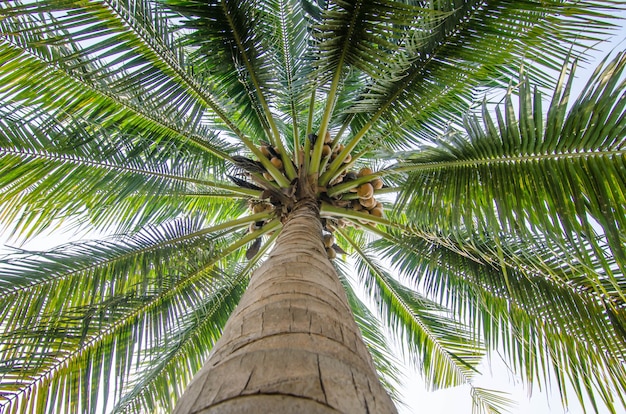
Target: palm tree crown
(191,129)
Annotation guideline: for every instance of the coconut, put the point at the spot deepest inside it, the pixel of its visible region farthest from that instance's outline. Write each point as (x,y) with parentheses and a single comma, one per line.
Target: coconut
(368,203)
(347,159)
(331,253)
(258,208)
(377,183)
(327,138)
(329,240)
(277,162)
(363,221)
(336,180)
(356,205)
(265,151)
(365,171)
(365,190)
(340,178)
(268,176)
(376,212)
(326,150)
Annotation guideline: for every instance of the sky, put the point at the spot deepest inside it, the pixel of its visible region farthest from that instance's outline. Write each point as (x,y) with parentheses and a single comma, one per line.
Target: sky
(495,373)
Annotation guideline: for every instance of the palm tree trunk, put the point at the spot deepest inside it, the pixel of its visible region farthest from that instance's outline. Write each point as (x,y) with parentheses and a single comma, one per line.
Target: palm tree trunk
(292,345)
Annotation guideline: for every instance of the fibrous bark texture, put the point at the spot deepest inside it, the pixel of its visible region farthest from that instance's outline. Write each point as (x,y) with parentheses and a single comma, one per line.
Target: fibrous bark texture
(292,345)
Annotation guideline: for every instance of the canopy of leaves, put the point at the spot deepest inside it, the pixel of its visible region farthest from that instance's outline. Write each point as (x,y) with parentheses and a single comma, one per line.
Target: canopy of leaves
(503,228)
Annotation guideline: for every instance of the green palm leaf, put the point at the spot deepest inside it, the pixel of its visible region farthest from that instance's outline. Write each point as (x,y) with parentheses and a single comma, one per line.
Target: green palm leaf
(45,161)
(448,355)
(146,390)
(444,348)
(573,164)
(445,61)
(357,35)
(72,80)
(226,33)
(285,40)
(526,312)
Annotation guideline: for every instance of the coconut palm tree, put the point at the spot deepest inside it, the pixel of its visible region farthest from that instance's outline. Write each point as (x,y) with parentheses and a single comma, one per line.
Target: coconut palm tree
(246,161)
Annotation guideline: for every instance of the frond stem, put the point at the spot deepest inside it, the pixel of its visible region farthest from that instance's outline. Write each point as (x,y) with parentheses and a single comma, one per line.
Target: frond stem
(275,135)
(233,224)
(332,94)
(505,160)
(112,167)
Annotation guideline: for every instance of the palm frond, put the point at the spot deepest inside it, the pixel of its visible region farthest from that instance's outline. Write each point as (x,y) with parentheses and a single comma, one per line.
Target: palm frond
(285,38)
(184,356)
(527,313)
(52,171)
(136,264)
(564,179)
(439,344)
(119,305)
(490,401)
(446,60)
(359,34)
(175,361)
(458,342)
(80,71)
(227,35)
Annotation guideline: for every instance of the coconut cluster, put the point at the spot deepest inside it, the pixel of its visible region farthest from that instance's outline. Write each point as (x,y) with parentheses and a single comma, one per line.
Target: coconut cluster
(329,242)
(366,201)
(273,155)
(328,150)
(359,198)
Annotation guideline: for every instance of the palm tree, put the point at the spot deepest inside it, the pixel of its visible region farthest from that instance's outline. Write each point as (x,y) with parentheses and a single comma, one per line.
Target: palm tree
(230,150)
